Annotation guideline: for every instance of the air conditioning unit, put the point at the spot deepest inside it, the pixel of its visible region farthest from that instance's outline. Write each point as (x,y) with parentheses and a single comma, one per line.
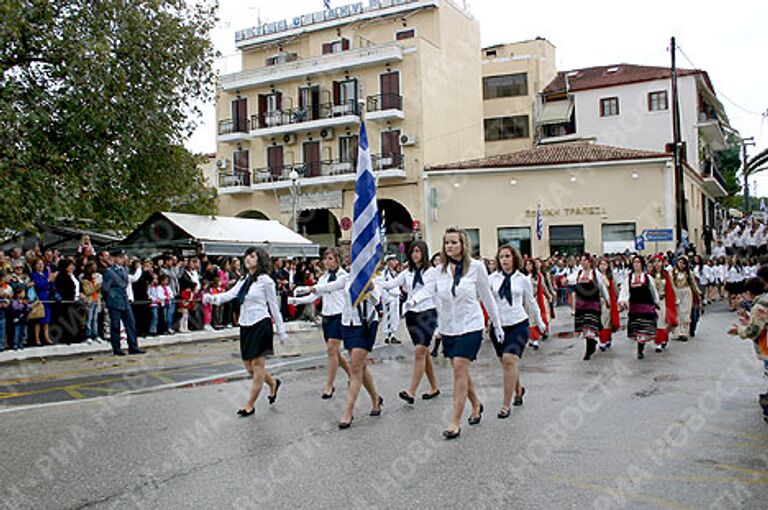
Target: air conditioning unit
(221,164)
(326,134)
(289,139)
(407,139)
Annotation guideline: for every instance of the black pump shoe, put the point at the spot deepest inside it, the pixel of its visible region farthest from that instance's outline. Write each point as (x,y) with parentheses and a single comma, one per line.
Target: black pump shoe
(346,424)
(474,420)
(326,396)
(377,412)
(272,398)
(519,399)
(451,434)
(405,396)
(242,413)
(430,396)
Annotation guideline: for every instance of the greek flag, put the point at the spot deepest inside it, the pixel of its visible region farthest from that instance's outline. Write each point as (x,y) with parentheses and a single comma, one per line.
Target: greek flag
(762,205)
(539,223)
(366,237)
(327,4)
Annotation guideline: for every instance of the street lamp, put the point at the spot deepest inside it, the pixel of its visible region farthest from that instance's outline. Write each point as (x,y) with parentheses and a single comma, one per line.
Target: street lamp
(294,176)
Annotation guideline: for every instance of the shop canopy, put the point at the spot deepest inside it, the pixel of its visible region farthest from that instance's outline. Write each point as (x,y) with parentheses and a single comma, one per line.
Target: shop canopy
(215,236)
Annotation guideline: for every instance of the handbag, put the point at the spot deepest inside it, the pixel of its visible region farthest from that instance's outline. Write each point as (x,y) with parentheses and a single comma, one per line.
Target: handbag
(37,312)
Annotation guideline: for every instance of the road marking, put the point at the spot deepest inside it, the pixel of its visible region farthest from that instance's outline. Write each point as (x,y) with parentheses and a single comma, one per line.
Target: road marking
(740,434)
(670,478)
(754,472)
(200,380)
(624,494)
(73,392)
(160,377)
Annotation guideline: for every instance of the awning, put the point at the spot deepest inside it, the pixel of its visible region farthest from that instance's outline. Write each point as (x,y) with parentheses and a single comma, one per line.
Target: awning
(556,112)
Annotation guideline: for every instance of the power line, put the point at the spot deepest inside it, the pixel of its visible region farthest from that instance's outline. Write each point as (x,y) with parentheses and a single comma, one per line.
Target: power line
(721,94)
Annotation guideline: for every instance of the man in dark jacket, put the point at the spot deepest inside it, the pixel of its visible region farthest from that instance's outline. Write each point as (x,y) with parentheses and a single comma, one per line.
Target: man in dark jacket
(115,295)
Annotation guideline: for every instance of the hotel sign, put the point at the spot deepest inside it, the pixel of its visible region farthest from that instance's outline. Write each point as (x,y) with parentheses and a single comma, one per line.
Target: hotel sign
(569,211)
(312,18)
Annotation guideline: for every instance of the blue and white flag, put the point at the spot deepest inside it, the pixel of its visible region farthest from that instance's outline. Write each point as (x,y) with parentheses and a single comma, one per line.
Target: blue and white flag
(327,4)
(762,205)
(539,223)
(366,237)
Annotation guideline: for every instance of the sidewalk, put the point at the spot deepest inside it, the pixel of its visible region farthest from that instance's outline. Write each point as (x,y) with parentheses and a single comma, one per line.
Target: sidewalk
(51,351)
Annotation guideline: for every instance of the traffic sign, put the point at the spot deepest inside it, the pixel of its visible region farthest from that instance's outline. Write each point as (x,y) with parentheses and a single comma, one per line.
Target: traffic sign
(659,235)
(639,243)
(346,223)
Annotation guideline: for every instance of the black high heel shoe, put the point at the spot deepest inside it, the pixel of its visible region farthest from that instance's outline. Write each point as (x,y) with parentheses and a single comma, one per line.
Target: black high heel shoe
(377,412)
(242,413)
(474,420)
(326,396)
(346,424)
(519,400)
(452,434)
(272,398)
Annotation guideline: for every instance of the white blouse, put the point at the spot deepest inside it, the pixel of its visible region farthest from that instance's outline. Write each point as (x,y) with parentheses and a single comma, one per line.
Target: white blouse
(350,316)
(625,288)
(522,296)
(462,313)
(405,279)
(259,304)
(333,302)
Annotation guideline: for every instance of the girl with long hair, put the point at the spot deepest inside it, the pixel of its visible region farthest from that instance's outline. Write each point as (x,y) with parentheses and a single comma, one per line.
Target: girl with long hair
(638,294)
(734,280)
(667,312)
(687,293)
(421,320)
(258,308)
(458,287)
(513,292)
(590,289)
(332,308)
(540,330)
(609,315)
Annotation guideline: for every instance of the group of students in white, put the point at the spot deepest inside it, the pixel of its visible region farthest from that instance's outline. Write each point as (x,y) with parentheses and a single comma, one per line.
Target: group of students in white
(449,302)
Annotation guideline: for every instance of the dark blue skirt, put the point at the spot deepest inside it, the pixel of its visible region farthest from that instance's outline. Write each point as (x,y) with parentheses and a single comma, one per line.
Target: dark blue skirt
(515,339)
(359,337)
(462,346)
(256,340)
(332,327)
(421,326)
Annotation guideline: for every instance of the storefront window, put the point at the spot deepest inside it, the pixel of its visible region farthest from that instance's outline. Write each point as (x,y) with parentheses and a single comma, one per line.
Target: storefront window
(474,240)
(566,239)
(618,237)
(517,237)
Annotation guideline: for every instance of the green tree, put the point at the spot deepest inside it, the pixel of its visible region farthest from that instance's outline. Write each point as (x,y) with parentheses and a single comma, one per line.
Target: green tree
(96,98)
(757,163)
(728,162)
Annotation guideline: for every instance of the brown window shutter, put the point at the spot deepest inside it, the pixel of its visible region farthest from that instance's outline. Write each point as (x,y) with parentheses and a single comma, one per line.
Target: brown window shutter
(279,100)
(344,44)
(262,109)
(336,93)
(327,48)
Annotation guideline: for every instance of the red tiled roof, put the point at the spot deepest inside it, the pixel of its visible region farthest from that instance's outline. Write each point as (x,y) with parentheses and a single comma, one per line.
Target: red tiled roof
(599,77)
(555,154)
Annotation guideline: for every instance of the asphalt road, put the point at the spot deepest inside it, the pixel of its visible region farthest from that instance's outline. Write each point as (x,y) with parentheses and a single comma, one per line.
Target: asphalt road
(677,430)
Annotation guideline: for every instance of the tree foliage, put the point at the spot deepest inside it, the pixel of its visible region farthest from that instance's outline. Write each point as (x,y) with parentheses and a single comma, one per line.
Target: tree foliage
(757,163)
(96,99)
(728,162)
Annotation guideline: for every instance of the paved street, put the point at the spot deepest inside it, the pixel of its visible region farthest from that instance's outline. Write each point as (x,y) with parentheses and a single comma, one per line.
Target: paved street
(678,430)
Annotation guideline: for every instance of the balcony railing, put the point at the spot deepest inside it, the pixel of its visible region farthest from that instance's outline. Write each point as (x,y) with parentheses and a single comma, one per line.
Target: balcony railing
(304,114)
(229,126)
(239,178)
(710,170)
(327,168)
(381,102)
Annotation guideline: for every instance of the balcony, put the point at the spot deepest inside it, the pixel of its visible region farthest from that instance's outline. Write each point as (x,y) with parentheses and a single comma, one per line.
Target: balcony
(298,120)
(384,107)
(327,172)
(301,68)
(234,182)
(714,182)
(712,131)
(231,131)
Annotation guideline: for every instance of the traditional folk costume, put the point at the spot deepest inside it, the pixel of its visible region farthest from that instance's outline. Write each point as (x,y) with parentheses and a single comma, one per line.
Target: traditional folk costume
(667,310)
(686,292)
(609,316)
(590,289)
(540,330)
(639,290)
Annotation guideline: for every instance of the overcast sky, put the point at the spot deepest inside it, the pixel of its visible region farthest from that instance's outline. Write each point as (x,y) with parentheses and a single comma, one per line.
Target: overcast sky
(727,39)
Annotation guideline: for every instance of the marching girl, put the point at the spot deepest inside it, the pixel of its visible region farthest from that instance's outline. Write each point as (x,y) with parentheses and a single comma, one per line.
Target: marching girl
(540,292)
(700,274)
(734,280)
(686,292)
(722,276)
(421,320)
(709,275)
(638,294)
(590,289)
(513,291)
(609,315)
(332,308)
(458,287)
(258,308)
(667,316)
(359,325)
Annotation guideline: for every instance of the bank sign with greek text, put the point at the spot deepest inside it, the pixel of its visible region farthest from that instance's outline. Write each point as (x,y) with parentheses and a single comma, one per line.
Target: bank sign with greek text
(312,18)
(568,211)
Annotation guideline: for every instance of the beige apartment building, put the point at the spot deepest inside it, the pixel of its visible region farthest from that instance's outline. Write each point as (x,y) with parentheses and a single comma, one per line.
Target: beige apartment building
(288,123)
(513,77)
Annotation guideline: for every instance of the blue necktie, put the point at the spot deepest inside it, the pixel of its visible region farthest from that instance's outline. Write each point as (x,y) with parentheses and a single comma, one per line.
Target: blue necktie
(458,270)
(332,276)
(417,279)
(505,291)
(244,289)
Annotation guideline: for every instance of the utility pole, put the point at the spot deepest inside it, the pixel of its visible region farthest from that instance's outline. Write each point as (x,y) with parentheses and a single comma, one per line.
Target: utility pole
(744,143)
(681,220)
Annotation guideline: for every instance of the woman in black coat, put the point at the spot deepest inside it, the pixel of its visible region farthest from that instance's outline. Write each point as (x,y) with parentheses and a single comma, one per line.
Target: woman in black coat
(67,313)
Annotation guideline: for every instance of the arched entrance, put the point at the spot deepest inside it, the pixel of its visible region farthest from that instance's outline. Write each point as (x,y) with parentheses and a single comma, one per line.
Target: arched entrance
(398,224)
(253,215)
(320,226)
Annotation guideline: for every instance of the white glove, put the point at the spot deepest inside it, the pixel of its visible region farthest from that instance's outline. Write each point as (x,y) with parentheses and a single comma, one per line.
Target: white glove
(207,299)
(291,300)
(301,290)
(499,334)
(283,337)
